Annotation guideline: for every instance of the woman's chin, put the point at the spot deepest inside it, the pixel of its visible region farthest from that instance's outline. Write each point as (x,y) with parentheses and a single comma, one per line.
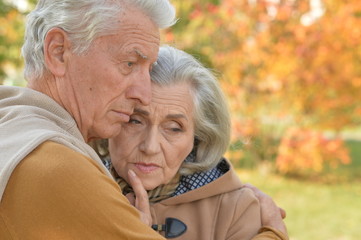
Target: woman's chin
(149,187)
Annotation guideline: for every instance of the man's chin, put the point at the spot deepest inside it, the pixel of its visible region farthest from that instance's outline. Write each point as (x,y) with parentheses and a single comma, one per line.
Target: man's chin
(109,132)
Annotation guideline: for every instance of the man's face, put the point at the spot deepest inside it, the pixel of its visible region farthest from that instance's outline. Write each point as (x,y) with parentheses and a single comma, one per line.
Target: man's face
(158,137)
(101,87)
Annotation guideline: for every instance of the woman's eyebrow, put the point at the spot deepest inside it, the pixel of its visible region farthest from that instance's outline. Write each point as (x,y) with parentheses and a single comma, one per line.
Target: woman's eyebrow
(177,116)
(141,111)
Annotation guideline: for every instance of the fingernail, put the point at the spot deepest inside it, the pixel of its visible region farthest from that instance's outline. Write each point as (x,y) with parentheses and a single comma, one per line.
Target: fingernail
(131,173)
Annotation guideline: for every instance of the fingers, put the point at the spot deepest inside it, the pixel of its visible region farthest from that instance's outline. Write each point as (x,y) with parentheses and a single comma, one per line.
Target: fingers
(262,197)
(141,197)
(131,198)
(271,214)
(259,194)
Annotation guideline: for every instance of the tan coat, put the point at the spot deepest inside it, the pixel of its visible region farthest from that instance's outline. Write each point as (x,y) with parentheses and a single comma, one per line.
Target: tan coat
(219,210)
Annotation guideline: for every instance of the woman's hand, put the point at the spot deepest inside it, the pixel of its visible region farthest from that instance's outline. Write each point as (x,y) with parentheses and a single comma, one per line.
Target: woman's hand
(271,214)
(139,198)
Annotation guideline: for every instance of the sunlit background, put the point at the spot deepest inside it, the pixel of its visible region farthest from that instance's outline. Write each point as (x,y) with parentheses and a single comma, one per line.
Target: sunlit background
(292,72)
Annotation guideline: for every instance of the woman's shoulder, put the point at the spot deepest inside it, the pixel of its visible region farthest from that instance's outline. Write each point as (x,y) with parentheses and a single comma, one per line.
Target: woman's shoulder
(240,197)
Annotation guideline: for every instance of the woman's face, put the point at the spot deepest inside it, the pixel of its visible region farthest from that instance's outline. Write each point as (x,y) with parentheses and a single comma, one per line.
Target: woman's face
(157,138)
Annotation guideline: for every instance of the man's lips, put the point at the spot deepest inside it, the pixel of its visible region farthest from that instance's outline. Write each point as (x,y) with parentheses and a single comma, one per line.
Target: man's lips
(146,168)
(124,117)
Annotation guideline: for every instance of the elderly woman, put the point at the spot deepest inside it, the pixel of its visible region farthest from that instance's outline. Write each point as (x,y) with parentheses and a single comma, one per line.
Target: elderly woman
(175,147)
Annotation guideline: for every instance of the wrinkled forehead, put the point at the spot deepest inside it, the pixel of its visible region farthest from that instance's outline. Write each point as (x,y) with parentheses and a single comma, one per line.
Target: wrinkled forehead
(170,100)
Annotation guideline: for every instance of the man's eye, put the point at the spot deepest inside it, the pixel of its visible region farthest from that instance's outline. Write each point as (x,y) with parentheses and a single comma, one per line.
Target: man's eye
(127,67)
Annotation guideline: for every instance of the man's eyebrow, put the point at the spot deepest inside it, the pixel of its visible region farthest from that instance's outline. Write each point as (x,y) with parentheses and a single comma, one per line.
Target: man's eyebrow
(141,111)
(142,55)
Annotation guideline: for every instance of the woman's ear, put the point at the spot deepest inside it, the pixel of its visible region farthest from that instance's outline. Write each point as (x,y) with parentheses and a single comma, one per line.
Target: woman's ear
(56,44)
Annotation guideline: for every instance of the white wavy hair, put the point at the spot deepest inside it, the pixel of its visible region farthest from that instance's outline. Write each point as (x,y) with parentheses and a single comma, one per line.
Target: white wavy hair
(84,21)
(211,113)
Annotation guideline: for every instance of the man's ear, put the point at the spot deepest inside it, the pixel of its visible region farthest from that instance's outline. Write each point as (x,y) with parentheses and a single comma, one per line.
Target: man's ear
(56,43)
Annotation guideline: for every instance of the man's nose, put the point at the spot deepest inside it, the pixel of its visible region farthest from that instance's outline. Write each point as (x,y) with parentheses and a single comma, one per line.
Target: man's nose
(140,88)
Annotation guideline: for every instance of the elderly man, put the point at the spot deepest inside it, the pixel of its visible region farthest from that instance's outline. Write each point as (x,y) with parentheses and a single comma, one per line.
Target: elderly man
(87,64)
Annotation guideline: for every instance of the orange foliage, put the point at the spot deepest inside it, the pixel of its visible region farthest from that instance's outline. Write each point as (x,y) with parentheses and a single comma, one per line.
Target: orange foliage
(11,37)
(311,72)
(302,150)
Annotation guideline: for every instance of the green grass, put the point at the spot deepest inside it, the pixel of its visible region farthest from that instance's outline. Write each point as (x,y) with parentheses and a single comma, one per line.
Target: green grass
(315,211)
(353,170)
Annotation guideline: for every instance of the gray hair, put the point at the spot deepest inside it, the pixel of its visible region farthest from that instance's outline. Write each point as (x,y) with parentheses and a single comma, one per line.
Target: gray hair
(84,21)
(211,114)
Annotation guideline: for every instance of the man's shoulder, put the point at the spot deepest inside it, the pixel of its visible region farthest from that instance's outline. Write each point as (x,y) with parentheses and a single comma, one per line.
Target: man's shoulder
(50,151)
(53,167)
(54,149)
(57,158)
(50,147)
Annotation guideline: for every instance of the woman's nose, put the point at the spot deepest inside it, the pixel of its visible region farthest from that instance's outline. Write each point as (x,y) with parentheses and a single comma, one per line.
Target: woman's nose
(151,144)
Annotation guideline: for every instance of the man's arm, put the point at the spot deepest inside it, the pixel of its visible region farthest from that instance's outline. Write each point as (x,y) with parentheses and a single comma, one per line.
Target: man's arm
(56,193)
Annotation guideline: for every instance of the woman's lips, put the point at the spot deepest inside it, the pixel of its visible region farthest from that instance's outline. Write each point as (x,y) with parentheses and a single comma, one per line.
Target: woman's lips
(146,168)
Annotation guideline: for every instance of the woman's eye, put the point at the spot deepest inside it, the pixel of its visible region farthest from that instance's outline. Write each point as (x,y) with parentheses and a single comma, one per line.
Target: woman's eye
(130,64)
(176,129)
(173,127)
(134,121)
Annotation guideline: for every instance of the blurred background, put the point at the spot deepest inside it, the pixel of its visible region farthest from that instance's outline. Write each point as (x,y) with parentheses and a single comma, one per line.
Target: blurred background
(291,70)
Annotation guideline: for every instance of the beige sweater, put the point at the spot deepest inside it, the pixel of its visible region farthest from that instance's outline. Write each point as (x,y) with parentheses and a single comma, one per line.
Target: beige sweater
(29,118)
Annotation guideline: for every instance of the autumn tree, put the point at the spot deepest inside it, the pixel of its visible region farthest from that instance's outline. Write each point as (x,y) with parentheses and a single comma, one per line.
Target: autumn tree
(11,38)
(279,71)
